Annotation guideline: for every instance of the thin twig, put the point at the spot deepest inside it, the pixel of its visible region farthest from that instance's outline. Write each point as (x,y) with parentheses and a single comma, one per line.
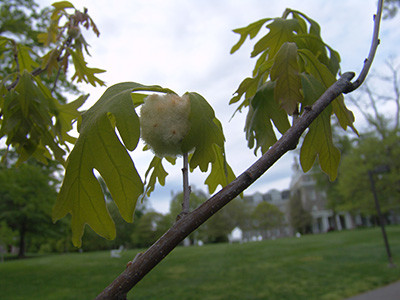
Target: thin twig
(56,81)
(372,50)
(186,187)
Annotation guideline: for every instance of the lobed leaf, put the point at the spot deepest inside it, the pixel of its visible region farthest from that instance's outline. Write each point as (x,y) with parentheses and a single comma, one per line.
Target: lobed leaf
(50,61)
(285,72)
(292,45)
(204,132)
(321,72)
(158,173)
(221,173)
(66,114)
(28,112)
(62,5)
(98,147)
(343,114)
(249,86)
(248,31)
(318,141)
(280,32)
(262,111)
(82,72)
(25,61)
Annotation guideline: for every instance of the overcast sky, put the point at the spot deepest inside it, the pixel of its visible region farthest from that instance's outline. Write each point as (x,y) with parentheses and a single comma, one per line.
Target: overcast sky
(184,45)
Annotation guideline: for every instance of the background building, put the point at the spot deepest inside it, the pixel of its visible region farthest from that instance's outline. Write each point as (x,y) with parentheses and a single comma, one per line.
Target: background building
(313,201)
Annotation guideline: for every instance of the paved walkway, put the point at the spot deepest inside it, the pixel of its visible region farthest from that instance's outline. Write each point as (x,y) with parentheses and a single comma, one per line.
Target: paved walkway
(389,292)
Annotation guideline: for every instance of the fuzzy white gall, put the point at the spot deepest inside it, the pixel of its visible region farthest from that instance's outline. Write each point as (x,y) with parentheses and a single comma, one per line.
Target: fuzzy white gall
(164,122)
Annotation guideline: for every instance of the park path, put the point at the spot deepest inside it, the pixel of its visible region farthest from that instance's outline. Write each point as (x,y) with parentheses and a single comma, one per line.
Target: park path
(389,292)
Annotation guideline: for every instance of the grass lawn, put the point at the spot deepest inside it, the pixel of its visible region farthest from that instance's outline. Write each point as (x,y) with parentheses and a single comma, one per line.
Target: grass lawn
(326,266)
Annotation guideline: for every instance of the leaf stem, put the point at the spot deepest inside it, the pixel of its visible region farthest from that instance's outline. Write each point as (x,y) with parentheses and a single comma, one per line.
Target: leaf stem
(186,186)
(286,13)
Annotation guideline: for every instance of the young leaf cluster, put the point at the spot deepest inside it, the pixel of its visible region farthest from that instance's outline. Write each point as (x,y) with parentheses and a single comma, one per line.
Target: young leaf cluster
(32,116)
(64,33)
(99,148)
(294,67)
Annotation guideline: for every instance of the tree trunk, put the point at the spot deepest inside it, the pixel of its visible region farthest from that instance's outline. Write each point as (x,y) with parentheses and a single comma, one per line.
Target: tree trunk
(22,231)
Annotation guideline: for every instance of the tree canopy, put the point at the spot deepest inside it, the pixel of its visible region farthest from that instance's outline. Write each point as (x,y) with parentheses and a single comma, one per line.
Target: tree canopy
(27,195)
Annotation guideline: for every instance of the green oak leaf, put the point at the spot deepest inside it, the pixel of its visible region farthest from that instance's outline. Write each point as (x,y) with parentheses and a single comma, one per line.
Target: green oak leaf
(318,140)
(62,5)
(291,45)
(99,148)
(221,173)
(248,31)
(204,132)
(27,121)
(50,61)
(285,72)
(158,173)
(25,61)
(83,72)
(315,43)
(65,114)
(280,32)
(343,114)
(262,111)
(321,72)
(248,87)
(4,42)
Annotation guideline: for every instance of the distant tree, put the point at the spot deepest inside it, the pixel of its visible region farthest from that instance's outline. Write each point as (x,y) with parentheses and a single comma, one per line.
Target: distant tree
(391,8)
(353,185)
(27,195)
(149,228)
(197,197)
(244,211)
(7,236)
(93,242)
(124,229)
(378,100)
(37,48)
(267,216)
(217,228)
(22,21)
(299,218)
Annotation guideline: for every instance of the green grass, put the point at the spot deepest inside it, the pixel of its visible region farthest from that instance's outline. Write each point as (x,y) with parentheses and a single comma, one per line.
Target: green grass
(327,266)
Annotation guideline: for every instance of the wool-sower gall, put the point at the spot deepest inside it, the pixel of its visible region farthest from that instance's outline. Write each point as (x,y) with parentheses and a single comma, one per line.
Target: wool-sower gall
(164,122)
